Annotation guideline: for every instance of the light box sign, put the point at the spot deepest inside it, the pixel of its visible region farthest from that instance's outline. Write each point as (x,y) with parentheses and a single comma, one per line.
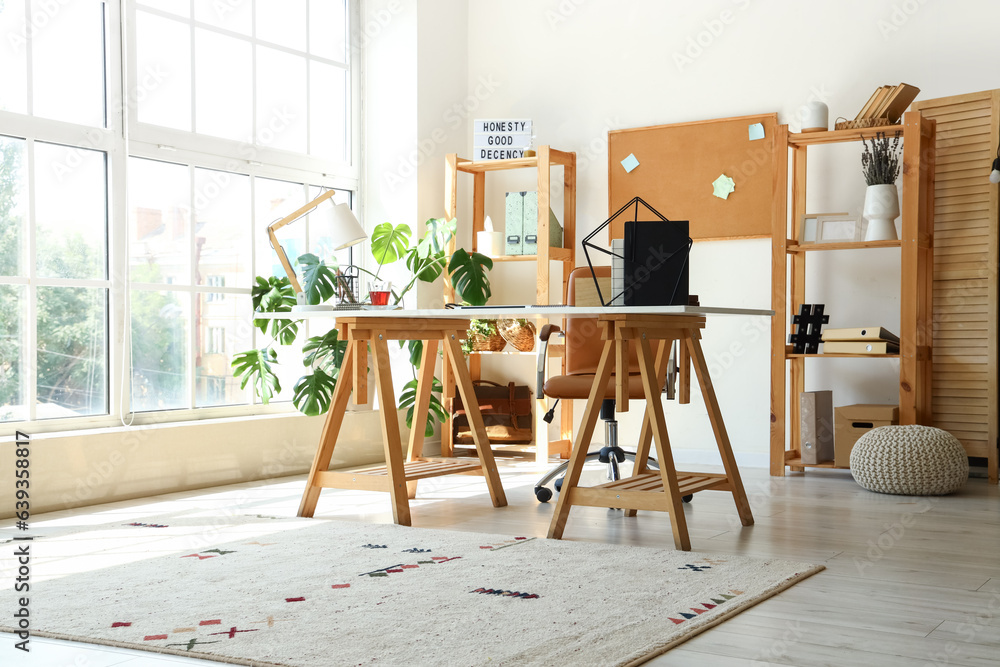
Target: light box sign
(500,139)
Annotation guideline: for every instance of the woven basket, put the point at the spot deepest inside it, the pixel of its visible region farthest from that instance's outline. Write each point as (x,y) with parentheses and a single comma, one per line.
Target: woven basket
(518,332)
(492,343)
(862,124)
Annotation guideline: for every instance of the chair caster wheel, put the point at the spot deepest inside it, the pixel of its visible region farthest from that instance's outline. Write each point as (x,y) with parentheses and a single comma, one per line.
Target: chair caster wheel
(558,484)
(543,494)
(688,498)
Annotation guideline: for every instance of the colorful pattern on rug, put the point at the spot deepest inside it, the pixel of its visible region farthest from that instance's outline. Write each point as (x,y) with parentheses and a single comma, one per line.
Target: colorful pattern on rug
(317,593)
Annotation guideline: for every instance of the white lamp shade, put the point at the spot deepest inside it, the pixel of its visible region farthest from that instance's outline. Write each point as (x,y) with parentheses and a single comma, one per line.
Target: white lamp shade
(343,227)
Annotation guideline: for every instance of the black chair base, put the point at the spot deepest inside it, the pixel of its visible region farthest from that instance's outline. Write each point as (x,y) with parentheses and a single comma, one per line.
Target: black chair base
(544,494)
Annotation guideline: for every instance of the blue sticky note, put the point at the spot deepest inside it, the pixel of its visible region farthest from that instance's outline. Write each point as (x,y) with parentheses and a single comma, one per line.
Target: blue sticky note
(630,163)
(756,131)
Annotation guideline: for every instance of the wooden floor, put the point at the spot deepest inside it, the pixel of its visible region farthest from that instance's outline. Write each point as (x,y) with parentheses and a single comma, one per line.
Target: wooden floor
(909,581)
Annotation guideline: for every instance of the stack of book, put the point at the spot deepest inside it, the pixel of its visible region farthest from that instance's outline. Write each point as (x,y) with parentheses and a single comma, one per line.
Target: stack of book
(863,340)
(885,106)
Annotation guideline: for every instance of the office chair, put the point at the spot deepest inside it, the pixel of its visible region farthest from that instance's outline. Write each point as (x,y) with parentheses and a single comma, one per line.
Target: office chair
(583,347)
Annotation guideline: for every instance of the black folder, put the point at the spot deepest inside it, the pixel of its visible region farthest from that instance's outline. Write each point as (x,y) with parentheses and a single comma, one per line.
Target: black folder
(656,262)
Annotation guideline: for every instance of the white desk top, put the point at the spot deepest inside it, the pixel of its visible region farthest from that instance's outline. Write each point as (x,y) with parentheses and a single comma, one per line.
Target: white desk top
(494,312)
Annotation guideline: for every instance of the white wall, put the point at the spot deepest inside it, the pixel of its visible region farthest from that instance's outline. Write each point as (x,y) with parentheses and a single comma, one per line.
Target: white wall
(581,67)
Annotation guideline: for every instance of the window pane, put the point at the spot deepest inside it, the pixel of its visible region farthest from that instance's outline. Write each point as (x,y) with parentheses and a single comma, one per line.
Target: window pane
(234,16)
(223,329)
(72,354)
(178,7)
(281,100)
(163,71)
(159,350)
(224,86)
(70,212)
(282,22)
(13,366)
(68,61)
(328,29)
(222,228)
(159,218)
(14,73)
(274,200)
(328,111)
(13,206)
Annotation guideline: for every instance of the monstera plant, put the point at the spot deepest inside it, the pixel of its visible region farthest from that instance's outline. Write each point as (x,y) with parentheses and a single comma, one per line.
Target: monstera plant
(323,355)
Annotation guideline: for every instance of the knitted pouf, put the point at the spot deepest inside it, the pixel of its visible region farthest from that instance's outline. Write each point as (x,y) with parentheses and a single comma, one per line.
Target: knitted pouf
(909,461)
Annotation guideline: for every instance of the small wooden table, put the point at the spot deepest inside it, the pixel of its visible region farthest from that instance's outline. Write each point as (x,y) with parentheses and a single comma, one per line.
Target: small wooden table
(398,477)
(645,490)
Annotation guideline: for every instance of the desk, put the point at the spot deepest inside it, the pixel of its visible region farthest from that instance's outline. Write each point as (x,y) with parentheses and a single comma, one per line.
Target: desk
(661,490)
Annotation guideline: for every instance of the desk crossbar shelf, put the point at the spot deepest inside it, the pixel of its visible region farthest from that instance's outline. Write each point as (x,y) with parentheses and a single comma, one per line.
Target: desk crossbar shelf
(425,468)
(634,492)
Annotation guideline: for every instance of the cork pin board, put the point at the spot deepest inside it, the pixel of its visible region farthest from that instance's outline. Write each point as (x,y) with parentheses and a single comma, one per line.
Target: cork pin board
(677,165)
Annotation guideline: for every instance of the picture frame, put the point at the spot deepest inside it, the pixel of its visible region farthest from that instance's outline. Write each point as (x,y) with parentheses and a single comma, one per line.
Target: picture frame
(831,228)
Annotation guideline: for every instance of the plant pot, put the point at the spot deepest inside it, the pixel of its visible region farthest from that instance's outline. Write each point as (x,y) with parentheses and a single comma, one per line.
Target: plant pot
(881,210)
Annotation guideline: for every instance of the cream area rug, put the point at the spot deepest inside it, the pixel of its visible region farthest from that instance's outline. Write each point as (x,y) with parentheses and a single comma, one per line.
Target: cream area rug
(260,590)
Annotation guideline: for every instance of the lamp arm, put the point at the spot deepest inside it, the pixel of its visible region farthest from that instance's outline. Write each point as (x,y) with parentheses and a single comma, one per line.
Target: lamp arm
(283,258)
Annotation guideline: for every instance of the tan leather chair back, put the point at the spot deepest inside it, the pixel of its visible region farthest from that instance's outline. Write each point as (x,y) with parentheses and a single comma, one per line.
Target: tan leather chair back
(583,337)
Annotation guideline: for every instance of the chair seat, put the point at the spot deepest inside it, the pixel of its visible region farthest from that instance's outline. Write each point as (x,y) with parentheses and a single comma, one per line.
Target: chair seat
(578,386)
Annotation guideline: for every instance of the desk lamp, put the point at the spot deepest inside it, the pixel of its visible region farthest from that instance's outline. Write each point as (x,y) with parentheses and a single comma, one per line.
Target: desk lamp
(339,222)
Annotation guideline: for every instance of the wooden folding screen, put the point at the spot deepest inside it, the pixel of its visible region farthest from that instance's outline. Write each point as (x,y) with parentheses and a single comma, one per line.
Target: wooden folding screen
(964,387)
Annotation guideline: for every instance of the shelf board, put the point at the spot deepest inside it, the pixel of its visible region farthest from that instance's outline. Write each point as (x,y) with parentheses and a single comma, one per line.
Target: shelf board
(793,355)
(555,255)
(825,464)
(840,136)
(845,245)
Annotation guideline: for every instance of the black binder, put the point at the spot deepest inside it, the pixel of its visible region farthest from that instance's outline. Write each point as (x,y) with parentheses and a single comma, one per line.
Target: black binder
(656,262)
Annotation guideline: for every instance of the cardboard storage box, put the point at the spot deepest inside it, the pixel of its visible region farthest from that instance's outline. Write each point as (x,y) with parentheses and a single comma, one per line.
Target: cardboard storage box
(853,421)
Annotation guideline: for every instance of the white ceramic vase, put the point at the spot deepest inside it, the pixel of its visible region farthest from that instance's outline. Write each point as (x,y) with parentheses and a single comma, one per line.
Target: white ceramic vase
(881,210)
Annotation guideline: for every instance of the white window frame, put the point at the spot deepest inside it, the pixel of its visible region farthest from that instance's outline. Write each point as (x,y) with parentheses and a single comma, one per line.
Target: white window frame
(125,137)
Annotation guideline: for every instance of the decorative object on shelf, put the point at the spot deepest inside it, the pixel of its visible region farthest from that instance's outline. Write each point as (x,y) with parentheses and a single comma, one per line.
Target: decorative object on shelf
(808,328)
(654,258)
(831,228)
(880,166)
(483,337)
(506,413)
(501,139)
(884,107)
(519,332)
(815,117)
(344,230)
(910,460)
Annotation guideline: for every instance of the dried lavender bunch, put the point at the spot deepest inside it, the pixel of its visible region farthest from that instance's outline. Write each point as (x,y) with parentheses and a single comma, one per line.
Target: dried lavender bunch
(880,163)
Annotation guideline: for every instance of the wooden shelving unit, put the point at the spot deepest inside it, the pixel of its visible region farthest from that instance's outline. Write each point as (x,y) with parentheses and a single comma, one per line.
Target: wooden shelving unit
(788,273)
(543,162)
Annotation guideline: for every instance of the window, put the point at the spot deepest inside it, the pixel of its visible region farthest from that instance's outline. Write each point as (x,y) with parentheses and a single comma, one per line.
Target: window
(237,113)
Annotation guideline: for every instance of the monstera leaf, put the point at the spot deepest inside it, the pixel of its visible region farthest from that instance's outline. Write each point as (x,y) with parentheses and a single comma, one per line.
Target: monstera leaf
(255,366)
(275,295)
(319,280)
(389,243)
(469,277)
(313,392)
(439,232)
(435,413)
(325,352)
